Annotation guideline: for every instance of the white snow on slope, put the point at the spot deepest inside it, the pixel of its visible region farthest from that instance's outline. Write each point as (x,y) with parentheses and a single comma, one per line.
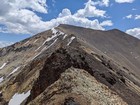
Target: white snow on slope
(1,79)
(45,48)
(38,48)
(17,99)
(55,34)
(27,42)
(54,31)
(72,38)
(52,43)
(3,66)
(50,38)
(35,41)
(14,70)
(65,36)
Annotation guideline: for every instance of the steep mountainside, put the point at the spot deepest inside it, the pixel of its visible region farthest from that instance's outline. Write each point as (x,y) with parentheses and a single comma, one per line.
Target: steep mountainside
(71,65)
(115,44)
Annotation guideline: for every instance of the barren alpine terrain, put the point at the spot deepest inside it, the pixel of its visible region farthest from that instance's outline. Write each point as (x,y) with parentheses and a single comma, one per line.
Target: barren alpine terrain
(71,65)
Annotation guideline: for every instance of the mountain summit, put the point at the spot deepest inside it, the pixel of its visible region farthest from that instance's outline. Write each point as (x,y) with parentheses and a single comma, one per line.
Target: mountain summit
(71,65)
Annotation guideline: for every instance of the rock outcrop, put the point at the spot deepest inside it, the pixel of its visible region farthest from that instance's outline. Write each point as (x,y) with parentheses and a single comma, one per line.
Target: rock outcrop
(77,87)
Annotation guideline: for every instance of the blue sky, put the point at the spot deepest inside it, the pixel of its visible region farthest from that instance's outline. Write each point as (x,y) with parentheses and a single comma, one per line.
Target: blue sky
(23,18)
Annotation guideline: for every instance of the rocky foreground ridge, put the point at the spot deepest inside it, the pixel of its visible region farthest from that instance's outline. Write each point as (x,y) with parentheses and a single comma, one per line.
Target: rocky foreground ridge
(71,65)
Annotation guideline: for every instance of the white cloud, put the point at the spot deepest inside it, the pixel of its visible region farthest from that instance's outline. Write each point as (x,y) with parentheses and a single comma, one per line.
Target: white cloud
(36,5)
(137,17)
(18,16)
(90,11)
(134,32)
(77,21)
(105,2)
(5,43)
(106,23)
(65,12)
(129,16)
(124,1)
(80,18)
(102,3)
(22,19)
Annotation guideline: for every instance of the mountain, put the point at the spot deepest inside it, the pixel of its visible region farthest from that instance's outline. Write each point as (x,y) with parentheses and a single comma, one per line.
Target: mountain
(71,65)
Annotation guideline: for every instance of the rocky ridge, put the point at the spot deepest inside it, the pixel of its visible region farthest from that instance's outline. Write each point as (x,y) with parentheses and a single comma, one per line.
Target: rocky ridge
(63,67)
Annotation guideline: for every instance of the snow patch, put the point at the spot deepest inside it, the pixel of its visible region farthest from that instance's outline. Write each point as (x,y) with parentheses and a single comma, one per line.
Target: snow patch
(54,31)
(27,42)
(61,33)
(45,41)
(50,38)
(65,36)
(52,44)
(45,48)
(3,66)
(72,38)
(1,79)
(36,56)
(38,48)
(17,99)
(35,41)
(14,70)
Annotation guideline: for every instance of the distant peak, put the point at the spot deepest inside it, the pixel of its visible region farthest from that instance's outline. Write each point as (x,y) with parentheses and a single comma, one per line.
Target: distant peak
(65,25)
(114,29)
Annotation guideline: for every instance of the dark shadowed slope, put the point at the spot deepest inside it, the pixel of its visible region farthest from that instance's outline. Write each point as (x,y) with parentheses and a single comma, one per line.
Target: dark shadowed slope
(117,45)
